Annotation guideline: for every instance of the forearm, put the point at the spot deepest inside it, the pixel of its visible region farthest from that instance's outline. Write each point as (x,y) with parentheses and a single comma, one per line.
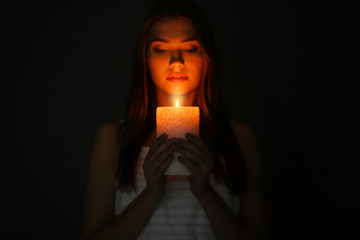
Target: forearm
(223,222)
(129,224)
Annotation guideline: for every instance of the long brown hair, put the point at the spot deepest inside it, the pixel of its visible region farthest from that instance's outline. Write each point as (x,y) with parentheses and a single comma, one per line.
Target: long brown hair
(215,127)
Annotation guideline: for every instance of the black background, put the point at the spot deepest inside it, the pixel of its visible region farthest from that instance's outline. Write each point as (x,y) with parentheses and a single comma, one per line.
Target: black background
(292,74)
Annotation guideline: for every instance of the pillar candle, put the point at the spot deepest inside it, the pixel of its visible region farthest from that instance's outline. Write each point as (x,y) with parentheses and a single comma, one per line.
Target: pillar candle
(176,122)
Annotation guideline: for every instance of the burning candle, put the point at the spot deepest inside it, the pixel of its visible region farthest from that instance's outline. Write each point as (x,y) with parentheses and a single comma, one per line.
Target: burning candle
(176,122)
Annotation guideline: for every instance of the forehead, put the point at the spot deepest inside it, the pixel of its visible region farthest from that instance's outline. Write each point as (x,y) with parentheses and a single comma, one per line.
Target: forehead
(168,28)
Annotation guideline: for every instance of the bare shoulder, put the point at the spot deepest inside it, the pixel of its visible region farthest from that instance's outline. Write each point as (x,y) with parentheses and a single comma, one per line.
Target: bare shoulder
(109,130)
(109,133)
(98,207)
(244,133)
(106,145)
(252,202)
(253,206)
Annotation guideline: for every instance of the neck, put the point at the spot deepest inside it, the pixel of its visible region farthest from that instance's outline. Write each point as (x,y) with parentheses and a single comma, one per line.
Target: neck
(165,99)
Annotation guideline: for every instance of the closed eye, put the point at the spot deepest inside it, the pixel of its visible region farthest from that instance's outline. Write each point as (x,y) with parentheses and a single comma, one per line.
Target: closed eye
(193,49)
(159,50)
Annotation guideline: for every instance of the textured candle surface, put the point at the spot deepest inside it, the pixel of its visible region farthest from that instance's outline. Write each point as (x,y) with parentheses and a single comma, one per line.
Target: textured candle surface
(176,122)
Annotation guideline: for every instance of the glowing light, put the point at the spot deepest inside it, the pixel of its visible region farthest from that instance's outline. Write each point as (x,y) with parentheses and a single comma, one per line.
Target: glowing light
(175,122)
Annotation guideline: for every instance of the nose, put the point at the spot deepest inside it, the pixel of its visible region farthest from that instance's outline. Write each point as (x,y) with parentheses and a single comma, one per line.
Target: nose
(176,60)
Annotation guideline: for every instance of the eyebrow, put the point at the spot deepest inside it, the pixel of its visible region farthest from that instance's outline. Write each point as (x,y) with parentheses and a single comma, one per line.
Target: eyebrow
(166,41)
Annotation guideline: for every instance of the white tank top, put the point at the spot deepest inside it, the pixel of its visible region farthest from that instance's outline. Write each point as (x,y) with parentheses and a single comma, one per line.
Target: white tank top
(179,215)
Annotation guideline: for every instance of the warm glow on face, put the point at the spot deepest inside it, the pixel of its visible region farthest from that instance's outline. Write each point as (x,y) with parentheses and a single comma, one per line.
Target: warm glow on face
(175,57)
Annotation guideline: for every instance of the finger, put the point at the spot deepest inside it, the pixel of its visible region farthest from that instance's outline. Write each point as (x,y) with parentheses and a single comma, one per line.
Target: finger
(165,153)
(164,165)
(157,142)
(194,168)
(155,148)
(201,150)
(192,151)
(205,150)
(169,144)
(192,138)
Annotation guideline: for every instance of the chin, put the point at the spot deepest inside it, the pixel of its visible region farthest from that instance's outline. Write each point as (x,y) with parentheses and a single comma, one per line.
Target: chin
(180,90)
(178,93)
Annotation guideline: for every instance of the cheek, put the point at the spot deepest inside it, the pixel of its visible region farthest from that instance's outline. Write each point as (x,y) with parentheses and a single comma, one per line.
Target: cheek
(196,64)
(156,65)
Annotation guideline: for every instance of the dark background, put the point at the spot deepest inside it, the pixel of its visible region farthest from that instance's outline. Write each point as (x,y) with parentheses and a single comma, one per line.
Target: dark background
(292,74)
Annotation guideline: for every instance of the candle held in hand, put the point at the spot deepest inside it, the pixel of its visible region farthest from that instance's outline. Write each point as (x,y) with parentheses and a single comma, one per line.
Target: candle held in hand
(176,122)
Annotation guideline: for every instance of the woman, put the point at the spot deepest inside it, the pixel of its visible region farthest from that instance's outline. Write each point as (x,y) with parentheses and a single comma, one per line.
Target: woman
(128,195)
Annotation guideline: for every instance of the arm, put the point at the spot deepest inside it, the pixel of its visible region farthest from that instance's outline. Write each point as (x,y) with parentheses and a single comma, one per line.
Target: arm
(98,217)
(251,223)
(130,222)
(98,208)
(222,220)
(225,224)
(252,205)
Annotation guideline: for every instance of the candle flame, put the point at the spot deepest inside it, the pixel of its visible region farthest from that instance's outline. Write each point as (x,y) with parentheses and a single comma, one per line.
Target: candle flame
(177,103)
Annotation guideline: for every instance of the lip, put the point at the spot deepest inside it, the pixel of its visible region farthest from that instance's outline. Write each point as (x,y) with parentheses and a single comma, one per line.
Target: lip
(177,77)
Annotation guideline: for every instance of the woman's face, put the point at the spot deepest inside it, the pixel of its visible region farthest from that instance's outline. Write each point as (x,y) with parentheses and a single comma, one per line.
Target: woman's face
(175,57)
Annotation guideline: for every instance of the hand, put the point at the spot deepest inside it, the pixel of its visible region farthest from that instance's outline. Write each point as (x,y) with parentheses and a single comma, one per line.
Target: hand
(199,160)
(156,162)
